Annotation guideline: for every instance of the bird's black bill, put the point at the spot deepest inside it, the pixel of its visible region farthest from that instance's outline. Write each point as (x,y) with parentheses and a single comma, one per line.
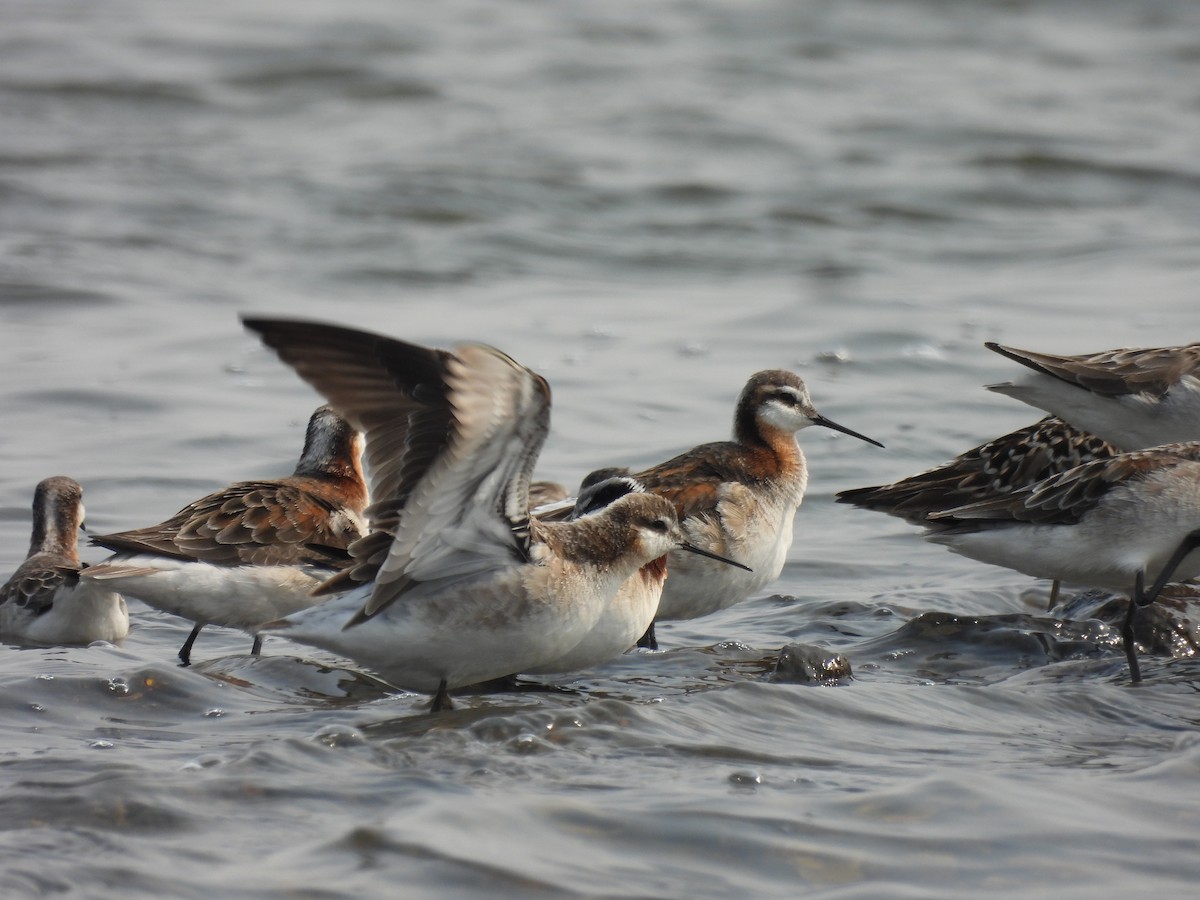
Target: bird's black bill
(692,548)
(829,423)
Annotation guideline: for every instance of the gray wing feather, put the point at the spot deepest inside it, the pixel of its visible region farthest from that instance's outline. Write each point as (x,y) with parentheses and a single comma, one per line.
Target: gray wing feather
(451,440)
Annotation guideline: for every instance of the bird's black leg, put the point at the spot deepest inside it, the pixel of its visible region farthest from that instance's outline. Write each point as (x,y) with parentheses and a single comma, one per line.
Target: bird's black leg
(1135,602)
(185,652)
(648,640)
(256,647)
(1141,597)
(441,700)
(1186,546)
(1054,587)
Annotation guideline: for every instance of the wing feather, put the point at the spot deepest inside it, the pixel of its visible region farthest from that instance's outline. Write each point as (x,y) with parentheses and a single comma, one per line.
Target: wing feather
(1065,498)
(451,440)
(36,581)
(1002,465)
(1112,373)
(249,523)
(692,481)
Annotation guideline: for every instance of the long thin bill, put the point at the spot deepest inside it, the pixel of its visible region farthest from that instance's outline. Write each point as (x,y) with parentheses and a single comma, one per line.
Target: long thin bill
(829,423)
(692,548)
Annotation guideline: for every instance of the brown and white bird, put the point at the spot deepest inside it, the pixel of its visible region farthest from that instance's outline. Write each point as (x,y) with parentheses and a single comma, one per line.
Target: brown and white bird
(457,584)
(1115,523)
(632,610)
(1132,398)
(991,470)
(738,498)
(252,551)
(45,601)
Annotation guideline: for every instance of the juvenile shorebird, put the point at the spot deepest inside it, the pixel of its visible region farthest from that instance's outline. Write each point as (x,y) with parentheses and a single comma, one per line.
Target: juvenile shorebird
(1111,523)
(254,550)
(45,601)
(738,498)
(1132,398)
(456,584)
(991,470)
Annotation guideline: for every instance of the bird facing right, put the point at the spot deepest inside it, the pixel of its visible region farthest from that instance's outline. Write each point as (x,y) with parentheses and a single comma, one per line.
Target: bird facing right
(632,610)
(738,498)
(45,601)
(456,584)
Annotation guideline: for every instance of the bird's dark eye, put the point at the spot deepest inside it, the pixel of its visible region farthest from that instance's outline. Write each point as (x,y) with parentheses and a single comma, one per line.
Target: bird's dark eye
(662,526)
(787,398)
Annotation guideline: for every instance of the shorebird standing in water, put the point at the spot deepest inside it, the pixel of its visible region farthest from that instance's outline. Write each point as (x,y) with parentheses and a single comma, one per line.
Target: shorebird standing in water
(632,611)
(738,498)
(1110,523)
(457,584)
(45,601)
(1132,398)
(994,469)
(254,550)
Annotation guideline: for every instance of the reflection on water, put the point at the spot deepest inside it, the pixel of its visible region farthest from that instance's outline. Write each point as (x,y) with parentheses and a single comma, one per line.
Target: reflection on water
(646,205)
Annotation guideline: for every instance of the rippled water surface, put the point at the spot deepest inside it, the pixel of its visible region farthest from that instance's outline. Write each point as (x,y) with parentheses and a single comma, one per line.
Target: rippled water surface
(646,203)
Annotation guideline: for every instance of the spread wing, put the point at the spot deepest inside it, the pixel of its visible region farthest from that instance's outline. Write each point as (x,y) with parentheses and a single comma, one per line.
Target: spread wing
(1114,372)
(36,581)
(451,440)
(249,523)
(1063,499)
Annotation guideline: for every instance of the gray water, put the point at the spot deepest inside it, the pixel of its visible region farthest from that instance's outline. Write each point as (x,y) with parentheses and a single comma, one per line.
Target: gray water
(645,203)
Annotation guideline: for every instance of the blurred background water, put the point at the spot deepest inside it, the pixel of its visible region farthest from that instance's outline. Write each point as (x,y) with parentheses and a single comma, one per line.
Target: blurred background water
(646,203)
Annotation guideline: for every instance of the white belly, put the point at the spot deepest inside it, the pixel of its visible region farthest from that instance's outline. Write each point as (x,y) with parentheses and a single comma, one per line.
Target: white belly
(619,627)
(1130,421)
(483,629)
(1134,529)
(80,614)
(697,586)
(233,596)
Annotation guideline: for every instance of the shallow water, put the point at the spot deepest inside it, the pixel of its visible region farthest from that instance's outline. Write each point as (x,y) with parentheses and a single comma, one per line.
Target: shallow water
(646,204)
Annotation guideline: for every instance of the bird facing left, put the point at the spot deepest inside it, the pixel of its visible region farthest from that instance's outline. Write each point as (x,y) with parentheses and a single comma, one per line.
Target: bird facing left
(254,550)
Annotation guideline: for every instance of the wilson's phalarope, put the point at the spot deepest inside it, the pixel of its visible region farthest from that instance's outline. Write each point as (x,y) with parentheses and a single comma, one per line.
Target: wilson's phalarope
(994,469)
(256,549)
(598,489)
(738,498)
(1132,398)
(1109,523)
(630,613)
(456,583)
(45,601)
